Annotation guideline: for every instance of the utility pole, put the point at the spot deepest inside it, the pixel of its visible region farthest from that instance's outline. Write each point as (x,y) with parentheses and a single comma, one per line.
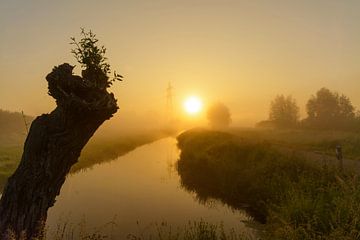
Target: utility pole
(26,124)
(169,103)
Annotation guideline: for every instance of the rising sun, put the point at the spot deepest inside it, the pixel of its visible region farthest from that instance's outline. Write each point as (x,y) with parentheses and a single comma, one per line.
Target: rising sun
(193,105)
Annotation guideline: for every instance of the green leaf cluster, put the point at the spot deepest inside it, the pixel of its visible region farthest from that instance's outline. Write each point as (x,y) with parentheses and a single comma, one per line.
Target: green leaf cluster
(92,59)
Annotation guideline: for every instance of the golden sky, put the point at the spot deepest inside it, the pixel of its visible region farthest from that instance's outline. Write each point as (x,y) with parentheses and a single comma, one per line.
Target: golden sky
(242,53)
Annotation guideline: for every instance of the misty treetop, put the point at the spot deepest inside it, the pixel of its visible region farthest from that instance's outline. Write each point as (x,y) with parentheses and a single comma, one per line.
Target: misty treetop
(219,116)
(325,110)
(284,111)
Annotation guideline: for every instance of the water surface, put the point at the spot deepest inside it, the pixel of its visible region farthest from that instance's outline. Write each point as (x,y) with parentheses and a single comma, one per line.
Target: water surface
(137,190)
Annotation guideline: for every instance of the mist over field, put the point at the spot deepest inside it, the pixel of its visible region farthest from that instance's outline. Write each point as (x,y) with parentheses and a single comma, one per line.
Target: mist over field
(187,120)
(239,52)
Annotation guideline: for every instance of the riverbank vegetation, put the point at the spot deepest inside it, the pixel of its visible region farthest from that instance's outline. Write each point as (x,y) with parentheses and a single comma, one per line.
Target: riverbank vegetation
(296,198)
(193,230)
(106,148)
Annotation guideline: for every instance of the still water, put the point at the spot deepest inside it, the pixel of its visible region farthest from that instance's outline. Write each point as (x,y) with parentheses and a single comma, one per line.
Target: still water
(136,190)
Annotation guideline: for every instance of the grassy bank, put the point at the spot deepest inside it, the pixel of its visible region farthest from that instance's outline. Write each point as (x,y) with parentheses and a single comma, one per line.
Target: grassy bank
(296,199)
(103,148)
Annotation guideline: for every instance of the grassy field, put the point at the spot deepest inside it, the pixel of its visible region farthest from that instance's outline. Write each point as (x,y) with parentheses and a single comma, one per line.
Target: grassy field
(312,140)
(296,199)
(10,155)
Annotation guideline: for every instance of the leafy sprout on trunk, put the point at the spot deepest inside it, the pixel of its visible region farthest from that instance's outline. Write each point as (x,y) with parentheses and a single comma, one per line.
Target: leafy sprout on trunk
(92,59)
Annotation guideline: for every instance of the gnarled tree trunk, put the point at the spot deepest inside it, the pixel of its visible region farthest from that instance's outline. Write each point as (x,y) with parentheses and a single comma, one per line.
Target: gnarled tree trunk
(52,146)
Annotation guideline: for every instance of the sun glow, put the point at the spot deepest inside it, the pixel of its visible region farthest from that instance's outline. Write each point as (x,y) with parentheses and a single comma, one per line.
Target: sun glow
(193,105)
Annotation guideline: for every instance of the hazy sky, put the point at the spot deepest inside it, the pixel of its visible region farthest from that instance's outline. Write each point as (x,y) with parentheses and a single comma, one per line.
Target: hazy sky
(242,53)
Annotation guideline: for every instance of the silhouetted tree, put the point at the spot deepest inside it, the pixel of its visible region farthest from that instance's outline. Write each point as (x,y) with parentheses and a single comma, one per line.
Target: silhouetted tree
(219,115)
(329,110)
(284,112)
(55,140)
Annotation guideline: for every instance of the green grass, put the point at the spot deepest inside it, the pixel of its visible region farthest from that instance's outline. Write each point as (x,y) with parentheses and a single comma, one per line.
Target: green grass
(9,159)
(295,137)
(311,140)
(296,199)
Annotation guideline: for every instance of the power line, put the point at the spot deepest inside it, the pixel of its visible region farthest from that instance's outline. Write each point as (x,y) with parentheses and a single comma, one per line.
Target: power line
(169,102)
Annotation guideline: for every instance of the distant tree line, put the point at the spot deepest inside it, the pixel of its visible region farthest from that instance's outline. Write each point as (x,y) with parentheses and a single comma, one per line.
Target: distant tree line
(327,110)
(13,122)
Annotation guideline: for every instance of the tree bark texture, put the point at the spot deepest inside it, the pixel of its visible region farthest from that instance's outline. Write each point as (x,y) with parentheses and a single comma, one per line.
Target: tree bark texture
(53,145)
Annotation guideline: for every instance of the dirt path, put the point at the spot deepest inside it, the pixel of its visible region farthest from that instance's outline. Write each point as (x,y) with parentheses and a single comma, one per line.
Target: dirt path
(321,158)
